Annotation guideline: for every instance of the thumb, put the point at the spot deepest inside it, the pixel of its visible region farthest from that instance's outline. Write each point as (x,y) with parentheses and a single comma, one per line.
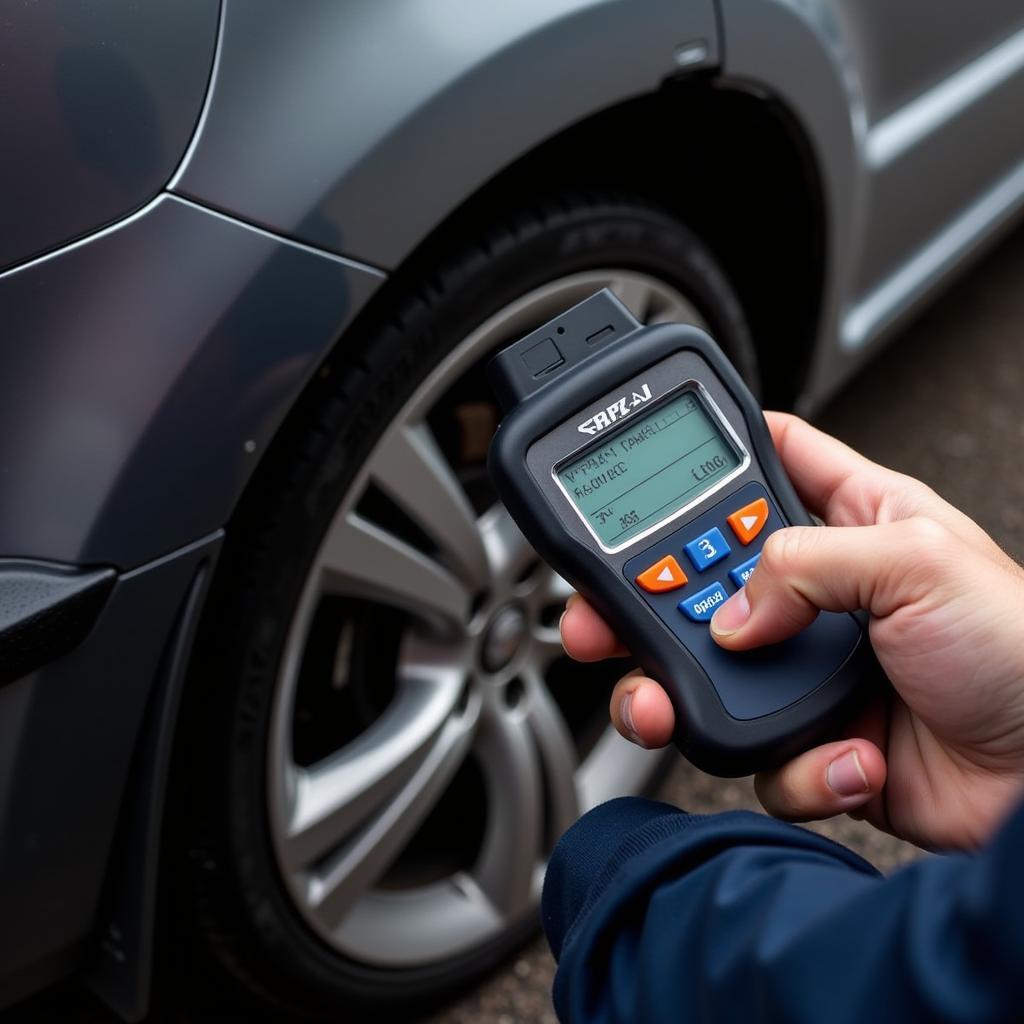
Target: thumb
(828,780)
(807,569)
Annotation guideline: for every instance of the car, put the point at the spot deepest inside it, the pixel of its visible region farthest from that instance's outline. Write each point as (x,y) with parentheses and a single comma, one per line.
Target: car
(281,688)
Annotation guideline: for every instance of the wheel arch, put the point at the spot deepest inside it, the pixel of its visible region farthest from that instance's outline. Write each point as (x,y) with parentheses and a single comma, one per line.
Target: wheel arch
(693,143)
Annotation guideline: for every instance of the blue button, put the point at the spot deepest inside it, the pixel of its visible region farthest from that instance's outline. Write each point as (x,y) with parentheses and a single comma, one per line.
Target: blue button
(741,573)
(707,549)
(700,607)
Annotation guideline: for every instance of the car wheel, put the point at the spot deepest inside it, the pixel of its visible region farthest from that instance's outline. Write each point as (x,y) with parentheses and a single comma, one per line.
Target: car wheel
(382,738)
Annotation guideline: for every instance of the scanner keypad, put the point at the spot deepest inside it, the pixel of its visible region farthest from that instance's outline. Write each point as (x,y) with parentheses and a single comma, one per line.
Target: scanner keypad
(703,541)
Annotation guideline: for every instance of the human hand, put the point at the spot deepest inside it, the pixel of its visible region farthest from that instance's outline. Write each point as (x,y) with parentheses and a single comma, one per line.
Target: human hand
(940,760)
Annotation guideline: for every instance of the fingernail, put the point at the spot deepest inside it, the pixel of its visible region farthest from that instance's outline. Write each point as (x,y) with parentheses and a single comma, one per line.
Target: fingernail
(626,714)
(845,776)
(731,615)
(565,611)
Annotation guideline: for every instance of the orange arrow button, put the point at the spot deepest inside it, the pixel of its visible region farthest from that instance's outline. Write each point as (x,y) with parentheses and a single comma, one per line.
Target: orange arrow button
(747,522)
(662,576)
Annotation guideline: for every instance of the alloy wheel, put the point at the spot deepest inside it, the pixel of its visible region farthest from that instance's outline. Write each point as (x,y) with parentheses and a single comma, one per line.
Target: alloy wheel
(448,754)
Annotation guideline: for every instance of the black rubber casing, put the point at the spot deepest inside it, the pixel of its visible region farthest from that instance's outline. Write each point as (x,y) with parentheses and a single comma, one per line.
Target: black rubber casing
(605,349)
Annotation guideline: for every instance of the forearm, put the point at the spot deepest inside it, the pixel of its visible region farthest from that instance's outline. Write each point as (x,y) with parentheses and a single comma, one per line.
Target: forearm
(659,916)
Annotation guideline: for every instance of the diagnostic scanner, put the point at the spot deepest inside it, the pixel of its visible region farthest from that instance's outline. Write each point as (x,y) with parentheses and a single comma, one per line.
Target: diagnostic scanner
(640,467)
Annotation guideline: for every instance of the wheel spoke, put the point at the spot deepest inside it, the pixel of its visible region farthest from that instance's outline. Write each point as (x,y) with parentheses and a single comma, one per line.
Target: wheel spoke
(333,890)
(615,767)
(407,929)
(504,871)
(557,752)
(547,644)
(363,560)
(330,799)
(508,551)
(409,465)
(557,589)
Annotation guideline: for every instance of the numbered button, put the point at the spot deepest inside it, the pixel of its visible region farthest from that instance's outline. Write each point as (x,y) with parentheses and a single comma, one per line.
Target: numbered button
(707,549)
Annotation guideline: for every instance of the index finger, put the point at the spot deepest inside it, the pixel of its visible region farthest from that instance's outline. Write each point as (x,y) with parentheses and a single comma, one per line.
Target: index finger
(585,635)
(833,481)
(845,488)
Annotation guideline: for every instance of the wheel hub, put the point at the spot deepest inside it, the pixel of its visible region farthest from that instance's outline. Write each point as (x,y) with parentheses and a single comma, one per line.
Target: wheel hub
(503,637)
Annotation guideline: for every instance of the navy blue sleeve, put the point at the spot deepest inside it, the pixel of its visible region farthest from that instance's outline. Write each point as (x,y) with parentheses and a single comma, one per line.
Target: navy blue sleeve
(656,915)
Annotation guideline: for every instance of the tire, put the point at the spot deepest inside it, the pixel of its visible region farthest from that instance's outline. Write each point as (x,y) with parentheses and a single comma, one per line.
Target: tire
(237,889)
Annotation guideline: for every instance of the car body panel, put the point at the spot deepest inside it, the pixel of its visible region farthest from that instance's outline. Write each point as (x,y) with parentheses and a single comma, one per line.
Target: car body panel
(902,50)
(932,208)
(67,736)
(118,966)
(102,99)
(935,80)
(882,117)
(311,132)
(133,410)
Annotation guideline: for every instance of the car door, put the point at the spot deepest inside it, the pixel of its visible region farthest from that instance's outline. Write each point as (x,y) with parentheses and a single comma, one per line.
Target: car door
(942,86)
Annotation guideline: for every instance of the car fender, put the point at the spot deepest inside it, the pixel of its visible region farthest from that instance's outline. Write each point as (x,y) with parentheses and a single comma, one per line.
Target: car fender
(146,370)
(358,127)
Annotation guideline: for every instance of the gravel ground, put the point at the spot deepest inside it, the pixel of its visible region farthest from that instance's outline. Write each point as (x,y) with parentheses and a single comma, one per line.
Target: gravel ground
(943,403)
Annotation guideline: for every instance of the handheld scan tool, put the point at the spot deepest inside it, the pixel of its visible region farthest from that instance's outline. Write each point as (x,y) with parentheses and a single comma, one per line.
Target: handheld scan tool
(640,467)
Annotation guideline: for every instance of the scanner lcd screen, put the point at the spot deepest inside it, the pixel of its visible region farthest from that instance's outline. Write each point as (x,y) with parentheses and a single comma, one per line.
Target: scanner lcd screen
(647,470)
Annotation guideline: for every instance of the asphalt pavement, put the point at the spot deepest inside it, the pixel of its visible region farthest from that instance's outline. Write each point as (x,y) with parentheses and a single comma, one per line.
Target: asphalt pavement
(944,403)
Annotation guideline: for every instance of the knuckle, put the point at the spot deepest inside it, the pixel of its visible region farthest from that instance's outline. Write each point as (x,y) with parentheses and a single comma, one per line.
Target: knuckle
(784,549)
(928,549)
(925,537)
(906,498)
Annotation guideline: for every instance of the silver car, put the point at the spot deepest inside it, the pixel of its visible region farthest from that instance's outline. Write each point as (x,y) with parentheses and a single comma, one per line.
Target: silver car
(280,683)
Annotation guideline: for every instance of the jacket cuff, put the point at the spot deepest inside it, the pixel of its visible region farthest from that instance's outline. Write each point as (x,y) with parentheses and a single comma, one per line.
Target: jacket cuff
(587,857)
